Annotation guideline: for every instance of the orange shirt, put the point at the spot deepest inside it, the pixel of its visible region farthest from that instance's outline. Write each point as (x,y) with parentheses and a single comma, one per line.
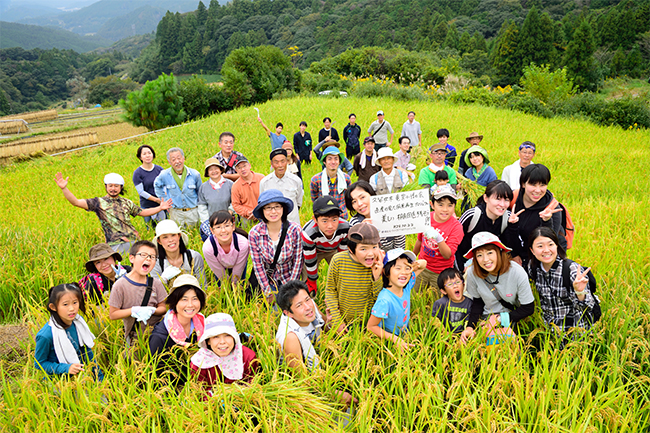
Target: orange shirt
(245,194)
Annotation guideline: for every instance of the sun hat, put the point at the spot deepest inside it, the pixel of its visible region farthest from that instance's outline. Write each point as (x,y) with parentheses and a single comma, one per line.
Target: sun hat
(113,178)
(325,204)
(385,152)
(169,227)
(484,238)
(438,146)
(287,145)
(474,135)
(272,196)
(240,158)
(186,280)
(476,149)
(364,233)
(331,143)
(438,192)
(332,150)
(217,324)
(276,152)
(395,254)
(99,252)
(210,162)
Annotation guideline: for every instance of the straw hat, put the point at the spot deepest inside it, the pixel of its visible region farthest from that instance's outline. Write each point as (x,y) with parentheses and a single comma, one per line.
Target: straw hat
(210,162)
(474,135)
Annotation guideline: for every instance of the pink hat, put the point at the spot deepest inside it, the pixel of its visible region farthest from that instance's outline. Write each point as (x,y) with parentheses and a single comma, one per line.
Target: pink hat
(485,238)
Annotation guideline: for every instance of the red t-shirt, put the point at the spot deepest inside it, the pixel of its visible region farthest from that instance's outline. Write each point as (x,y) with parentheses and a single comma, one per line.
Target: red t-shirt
(452,231)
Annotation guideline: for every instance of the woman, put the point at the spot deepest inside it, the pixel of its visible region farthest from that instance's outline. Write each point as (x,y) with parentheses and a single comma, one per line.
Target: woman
(214,195)
(499,287)
(275,244)
(143,178)
(357,199)
(293,165)
(226,250)
(479,171)
(182,326)
(536,206)
(490,215)
(104,268)
(565,292)
(174,257)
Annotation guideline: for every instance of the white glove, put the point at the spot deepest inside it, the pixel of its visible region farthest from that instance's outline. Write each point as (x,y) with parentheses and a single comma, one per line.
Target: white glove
(142,314)
(170,273)
(119,271)
(433,233)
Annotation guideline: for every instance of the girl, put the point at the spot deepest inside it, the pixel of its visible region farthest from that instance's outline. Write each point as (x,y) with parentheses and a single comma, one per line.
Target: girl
(226,250)
(104,269)
(491,215)
(357,199)
(143,178)
(275,244)
(498,287)
(392,310)
(213,195)
(479,171)
(173,255)
(294,162)
(565,307)
(182,325)
(221,356)
(64,344)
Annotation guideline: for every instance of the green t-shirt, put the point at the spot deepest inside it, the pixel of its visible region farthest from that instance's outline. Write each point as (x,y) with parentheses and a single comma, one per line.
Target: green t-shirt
(428,177)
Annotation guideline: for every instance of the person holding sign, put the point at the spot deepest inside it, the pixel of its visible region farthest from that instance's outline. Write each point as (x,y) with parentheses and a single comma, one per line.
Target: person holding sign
(331,181)
(439,243)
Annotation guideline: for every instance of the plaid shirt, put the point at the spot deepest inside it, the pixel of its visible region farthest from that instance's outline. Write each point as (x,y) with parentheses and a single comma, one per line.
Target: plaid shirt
(314,187)
(230,169)
(262,251)
(560,306)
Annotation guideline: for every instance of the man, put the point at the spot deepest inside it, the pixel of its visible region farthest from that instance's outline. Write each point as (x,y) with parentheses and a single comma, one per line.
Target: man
(512,173)
(412,130)
(427,177)
(331,181)
(328,131)
(379,130)
(351,136)
(113,211)
(322,237)
(180,184)
(302,143)
(227,156)
(245,191)
(287,183)
(277,138)
(474,138)
(365,163)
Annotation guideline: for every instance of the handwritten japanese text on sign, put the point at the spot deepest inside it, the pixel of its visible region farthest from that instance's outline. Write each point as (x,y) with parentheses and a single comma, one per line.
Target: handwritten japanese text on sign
(402,213)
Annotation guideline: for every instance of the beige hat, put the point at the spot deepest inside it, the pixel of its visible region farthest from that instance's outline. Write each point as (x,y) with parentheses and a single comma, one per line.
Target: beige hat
(474,135)
(169,227)
(186,280)
(99,252)
(210,162)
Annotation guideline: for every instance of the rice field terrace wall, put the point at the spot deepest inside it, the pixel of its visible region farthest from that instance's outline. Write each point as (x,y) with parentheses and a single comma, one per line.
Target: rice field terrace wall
(600,383)
(30,146)
(33,116)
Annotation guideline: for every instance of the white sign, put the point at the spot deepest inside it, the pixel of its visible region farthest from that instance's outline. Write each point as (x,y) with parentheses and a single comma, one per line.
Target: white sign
(402,213)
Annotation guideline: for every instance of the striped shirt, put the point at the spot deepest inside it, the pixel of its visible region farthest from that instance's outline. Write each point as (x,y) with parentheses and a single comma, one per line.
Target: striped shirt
(314,242)
(351,291)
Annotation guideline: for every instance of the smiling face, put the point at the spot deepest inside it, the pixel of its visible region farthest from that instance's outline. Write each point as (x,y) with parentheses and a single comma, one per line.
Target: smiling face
(544,250)
(144,260)
(443,139)
(534,192)
(170,242)
(273,212)
(146,155)
(405,144)
(67,307)
(214,172)
(222,344)
(113,189)
(104,266)
(526,156)
(487,258)
(496,206)
(454,289)
(188,306)
(443,209)
(366,254)
(243,168)
(302,309)
(368,147)
(361,201)
(327,123)
(177,161)
(223,232)
(387,163)
(332,162)
(438,157)
(400,273)
(279,164)
(476,159)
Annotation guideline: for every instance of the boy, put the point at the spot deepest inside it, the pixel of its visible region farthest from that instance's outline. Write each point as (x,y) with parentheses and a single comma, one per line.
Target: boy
(302,143)
(331,181)
(136,296)
(442,178)
(322,237)
(443,136)
(453,307)
(439,243)
(354,278)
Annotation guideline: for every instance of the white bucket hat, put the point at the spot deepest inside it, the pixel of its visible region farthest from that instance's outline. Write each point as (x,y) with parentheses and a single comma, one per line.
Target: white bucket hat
(216,324)
(385,152)
(169,227)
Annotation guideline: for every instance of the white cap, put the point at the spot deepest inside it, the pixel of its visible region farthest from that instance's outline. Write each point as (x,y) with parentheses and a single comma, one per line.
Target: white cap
(113,178)
(395,254)
(380,112)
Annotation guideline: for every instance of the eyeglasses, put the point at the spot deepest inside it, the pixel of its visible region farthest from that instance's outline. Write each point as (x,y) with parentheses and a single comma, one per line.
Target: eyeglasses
(275,208)
(222,227)
(147,256)
(453,284)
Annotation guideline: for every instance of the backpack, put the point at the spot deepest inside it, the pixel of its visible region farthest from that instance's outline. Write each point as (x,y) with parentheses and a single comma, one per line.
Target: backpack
(234,240)
(477,216)
(568,227)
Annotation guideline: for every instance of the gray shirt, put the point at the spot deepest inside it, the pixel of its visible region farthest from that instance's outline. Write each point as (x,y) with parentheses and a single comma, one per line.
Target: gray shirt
(196,269)
(412,130)
(382,136)
(513,287)
(212,200)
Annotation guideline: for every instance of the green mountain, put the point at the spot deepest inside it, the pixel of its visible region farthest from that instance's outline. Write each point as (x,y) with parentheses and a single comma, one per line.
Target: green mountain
(28,37)
(140,21)
(131,47)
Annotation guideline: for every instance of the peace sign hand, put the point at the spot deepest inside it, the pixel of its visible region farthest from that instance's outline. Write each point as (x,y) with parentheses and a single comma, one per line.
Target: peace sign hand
(549,210)
(581,281)
(514,217)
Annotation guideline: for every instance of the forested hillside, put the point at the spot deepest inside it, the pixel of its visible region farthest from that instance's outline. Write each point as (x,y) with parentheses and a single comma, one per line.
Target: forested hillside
(28,37)
(609,37)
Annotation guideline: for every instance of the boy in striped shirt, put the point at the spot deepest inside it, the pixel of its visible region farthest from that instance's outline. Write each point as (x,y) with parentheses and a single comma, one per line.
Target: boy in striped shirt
(322,237)
(354,278)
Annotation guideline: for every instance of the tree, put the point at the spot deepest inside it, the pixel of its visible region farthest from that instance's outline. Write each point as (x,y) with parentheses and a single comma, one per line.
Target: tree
(78,89)
(109,89)
(156,106)
(535,43)
(579,59)
(201,14)
(505,60)
(440,33)
(465,43)
(452,40)
(5,108)
(547,86)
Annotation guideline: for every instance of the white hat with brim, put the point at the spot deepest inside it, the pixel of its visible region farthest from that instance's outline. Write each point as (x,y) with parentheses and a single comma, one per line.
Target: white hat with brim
(169,227)
(217,324)
(485,238)
(396,253)
(385,152)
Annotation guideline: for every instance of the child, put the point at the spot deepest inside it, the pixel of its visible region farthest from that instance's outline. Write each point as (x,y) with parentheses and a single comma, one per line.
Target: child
(65,343)
(226,250)
(392,310)
(222,357)
(479,171)
(104,269)
(442,178)
(439,243)
(452,309)
(136,296)
(443,136)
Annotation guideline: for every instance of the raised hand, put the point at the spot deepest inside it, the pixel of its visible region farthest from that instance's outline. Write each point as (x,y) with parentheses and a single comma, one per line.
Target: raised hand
(167,204)
(514,217)
(60,181)
(581,281)
(378,265)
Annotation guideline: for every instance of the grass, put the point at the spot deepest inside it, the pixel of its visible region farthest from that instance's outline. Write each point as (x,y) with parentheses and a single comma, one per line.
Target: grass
(598,383)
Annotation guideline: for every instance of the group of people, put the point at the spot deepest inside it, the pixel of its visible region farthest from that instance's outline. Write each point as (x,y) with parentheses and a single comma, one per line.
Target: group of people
(479,266)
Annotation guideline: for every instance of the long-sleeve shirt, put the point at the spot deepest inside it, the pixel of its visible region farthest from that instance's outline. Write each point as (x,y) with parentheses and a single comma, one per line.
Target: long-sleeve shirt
(316,191)
(302,145)
(314,242)
(346,165)
(351,290)
(290,186)
(45,356)
(143,181)
(235,260)
(262,249)
(245,195)
(212,199)
(166,187)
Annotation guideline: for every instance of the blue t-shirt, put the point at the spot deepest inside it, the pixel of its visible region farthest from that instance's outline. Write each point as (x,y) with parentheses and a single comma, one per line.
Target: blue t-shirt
(277,141)
(395,312)
(147,178)
(485,178)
